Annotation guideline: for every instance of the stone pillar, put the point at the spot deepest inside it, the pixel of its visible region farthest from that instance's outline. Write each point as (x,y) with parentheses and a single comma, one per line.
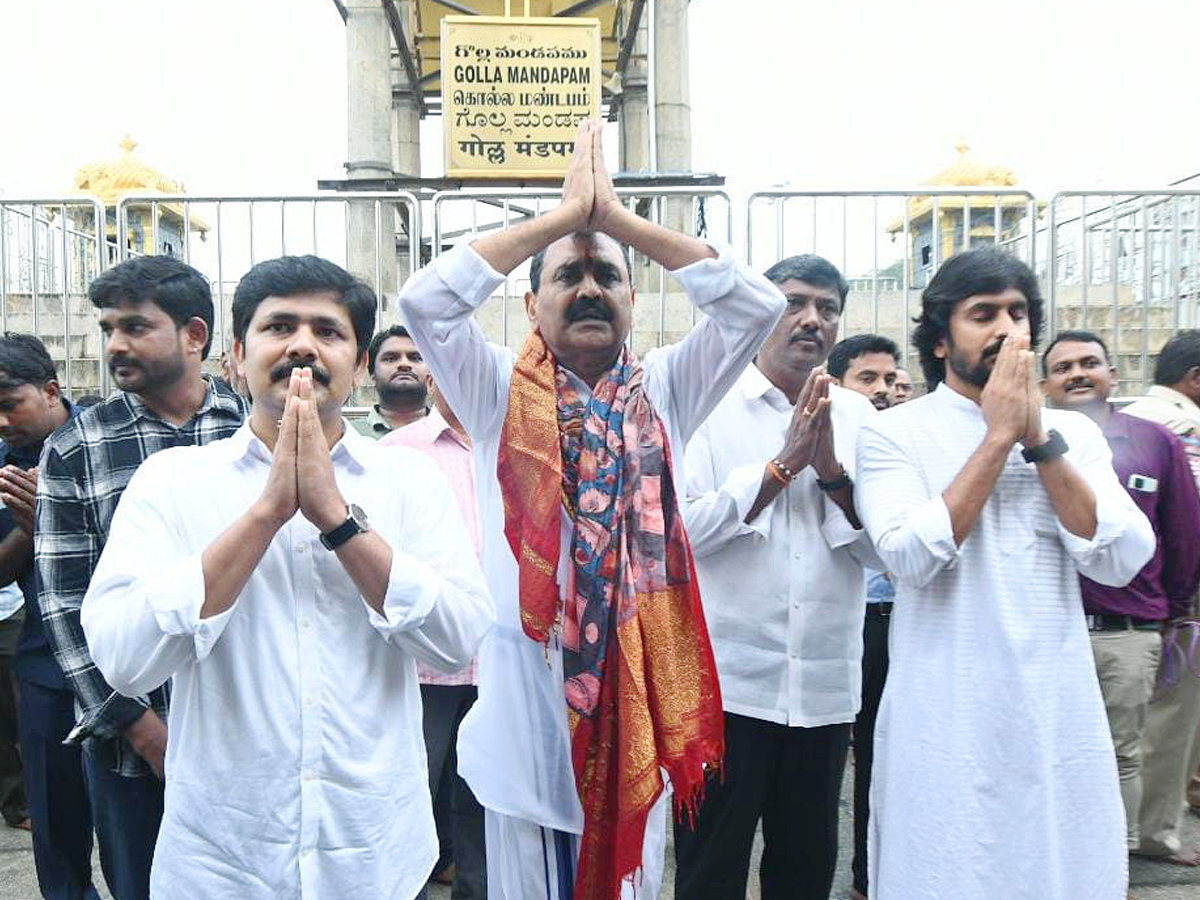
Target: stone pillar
(633,119)
(406,146)
(672,106)
(368,142)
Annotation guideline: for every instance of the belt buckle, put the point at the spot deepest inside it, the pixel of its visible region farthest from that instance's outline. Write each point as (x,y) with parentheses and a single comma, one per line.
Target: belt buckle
(1093,622)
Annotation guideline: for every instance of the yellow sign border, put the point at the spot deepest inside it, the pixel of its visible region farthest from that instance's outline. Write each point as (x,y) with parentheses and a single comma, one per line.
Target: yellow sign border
(577,24)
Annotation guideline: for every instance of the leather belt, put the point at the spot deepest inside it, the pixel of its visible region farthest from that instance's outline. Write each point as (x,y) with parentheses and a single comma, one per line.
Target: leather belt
(1113,622)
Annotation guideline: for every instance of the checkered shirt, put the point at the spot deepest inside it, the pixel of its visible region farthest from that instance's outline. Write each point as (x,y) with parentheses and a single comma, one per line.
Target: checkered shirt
(84,468)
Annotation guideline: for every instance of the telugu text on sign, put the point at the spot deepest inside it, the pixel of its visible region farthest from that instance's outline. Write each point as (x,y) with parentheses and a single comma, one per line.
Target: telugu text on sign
(514,92)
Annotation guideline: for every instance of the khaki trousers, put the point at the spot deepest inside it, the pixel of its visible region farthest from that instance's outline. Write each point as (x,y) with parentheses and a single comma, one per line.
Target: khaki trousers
(1127,665)
(1171,753)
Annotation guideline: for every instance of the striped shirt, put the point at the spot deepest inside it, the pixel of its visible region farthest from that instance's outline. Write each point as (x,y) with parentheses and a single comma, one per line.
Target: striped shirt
(85,467)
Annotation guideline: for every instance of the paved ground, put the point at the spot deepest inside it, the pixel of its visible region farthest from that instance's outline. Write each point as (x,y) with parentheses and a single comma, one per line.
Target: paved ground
(1150,880)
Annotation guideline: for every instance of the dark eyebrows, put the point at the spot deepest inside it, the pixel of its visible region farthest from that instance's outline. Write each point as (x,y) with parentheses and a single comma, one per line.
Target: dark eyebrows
(570,269)
(288,318)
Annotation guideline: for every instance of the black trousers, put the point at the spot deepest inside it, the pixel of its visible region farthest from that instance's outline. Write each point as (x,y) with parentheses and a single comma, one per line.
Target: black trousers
(791,779)
(457,813)
(874,676)
(58,798)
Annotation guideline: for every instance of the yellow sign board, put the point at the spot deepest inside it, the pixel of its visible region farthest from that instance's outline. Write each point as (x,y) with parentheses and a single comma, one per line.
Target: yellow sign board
(514,91)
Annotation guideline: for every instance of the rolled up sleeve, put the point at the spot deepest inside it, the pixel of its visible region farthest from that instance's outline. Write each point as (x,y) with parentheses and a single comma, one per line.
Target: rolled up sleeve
(437,606)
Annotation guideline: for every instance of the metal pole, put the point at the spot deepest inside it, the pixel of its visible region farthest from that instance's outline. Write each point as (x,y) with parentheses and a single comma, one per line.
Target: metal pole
(1114,247)
(4,266)
(1085,267)
(221,283)
(905,283)
(66,300)
(34,288)
(1147,275)
(875,262)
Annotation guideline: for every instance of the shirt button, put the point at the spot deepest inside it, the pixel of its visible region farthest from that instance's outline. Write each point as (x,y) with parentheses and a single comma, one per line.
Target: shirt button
(795,556)
(308,699)
(300,548)
(306,624)
(307,852)
(308,776)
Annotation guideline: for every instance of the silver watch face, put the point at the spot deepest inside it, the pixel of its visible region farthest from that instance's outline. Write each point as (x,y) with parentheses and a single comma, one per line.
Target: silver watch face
(359,517)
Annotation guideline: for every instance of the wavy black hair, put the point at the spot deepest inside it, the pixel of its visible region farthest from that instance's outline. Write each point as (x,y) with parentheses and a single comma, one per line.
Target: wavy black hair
(986,270)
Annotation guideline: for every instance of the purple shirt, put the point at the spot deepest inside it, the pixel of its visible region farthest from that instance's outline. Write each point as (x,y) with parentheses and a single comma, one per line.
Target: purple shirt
(1153,466)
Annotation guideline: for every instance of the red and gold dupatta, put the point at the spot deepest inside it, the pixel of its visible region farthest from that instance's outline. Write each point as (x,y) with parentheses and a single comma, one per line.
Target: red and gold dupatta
(642,690)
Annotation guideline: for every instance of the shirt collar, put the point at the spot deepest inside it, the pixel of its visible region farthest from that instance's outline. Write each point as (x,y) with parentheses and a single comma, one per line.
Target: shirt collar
(950,396)
(436,426)
(757,386)
(377,421)
(1175,398)
(352,446)
(1118,425)
(127,407)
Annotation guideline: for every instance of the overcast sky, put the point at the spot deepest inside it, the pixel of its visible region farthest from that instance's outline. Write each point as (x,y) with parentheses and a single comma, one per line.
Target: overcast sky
(241,96)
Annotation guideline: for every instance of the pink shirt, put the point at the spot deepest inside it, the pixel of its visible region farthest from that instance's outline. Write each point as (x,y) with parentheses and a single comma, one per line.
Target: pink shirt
(437,440)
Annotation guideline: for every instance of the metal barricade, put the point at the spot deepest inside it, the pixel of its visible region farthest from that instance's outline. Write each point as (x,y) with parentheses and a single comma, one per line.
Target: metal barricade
(50,250)
(374,235)
(462,215)
(1125,264)
(887,243)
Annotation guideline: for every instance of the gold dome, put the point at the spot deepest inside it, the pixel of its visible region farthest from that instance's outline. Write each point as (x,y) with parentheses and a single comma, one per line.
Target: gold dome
(966,171)
(110,181)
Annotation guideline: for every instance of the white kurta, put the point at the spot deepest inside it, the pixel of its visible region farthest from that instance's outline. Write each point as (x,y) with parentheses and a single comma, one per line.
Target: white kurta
(994,771)
(295,761)
(514,745)
(784,595)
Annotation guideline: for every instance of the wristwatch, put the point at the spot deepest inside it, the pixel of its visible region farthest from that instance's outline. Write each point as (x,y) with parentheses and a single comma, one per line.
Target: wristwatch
(356,523)
(1055,447)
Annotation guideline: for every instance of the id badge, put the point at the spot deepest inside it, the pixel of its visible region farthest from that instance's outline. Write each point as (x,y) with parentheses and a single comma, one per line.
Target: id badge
(1143,483)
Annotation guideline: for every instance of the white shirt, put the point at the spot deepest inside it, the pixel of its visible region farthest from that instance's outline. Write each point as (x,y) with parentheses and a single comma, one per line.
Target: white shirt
(295,761)
(994,770)
(784,595)
(514,745)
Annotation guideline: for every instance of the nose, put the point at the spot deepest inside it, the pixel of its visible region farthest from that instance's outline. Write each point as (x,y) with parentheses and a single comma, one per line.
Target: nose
(588,286)
(809,319)
(116,344)
(302,344)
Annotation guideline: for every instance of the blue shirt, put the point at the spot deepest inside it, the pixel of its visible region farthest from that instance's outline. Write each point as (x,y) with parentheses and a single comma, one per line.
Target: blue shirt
(879,587)
(34,661)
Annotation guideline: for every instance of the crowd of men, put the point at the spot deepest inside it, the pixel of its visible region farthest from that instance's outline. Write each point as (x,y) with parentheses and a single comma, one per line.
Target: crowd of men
(496,632)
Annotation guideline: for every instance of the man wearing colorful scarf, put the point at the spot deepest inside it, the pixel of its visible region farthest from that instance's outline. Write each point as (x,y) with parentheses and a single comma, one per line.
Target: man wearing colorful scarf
(597,688)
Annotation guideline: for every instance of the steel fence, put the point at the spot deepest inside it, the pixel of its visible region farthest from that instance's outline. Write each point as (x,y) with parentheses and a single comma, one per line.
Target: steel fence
(661,315)
(887,243)
(372,234)
(1124,264)
(50,250)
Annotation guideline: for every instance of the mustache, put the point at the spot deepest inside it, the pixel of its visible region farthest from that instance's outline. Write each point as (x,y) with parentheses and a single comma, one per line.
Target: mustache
(993,350)
(588,308)
(284,370)
(807,335)
(1078,382)
(123,362)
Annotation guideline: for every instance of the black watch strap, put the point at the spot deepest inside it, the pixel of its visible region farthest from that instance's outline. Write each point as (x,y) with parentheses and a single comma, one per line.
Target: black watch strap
(1055,447)
(356,523)
(836,484)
